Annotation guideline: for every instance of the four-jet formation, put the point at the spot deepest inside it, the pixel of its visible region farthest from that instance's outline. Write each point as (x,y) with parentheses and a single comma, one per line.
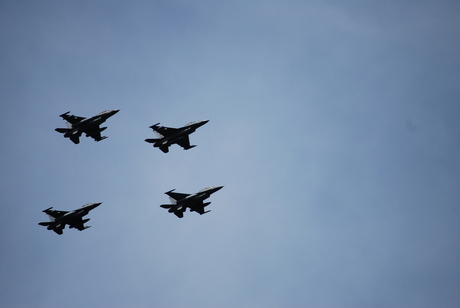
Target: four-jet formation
(58,219)
(90,126)
(168,135)
(180,202)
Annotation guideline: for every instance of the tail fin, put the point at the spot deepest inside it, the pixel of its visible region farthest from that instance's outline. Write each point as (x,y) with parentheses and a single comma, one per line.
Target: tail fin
(173,201)
(52,219)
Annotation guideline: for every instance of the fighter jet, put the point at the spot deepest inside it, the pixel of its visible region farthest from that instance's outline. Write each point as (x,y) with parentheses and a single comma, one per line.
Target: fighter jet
(58,219)
(167,135)
(90,126)
(180,202)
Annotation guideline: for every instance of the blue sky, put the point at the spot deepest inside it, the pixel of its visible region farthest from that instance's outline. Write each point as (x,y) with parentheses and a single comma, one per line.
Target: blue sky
(334,127)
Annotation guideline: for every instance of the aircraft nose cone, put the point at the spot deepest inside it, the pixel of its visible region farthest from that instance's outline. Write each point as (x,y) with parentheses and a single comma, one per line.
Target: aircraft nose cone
(218,188)
(115,111)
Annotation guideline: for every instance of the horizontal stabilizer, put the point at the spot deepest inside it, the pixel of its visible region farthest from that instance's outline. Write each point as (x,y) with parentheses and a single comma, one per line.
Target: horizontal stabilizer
(151,140)
(75,139)
(192,146)
(47,209)
(64,114)
(62,130)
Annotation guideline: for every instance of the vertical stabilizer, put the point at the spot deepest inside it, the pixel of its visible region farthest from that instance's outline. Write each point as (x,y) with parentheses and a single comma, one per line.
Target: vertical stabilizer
(173,201)
(52,219)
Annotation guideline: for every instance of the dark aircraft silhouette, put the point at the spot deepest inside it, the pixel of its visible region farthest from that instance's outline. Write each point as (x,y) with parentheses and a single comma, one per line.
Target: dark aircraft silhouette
(167,135)
(180,202)
(58,219)
(90,126)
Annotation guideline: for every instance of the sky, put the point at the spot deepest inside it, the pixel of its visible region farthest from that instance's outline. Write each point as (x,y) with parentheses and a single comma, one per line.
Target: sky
(334,129)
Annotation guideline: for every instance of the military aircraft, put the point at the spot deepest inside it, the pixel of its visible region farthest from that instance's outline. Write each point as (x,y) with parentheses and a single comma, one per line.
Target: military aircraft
(90,126)
(180,201)
(58,219)
(167,135)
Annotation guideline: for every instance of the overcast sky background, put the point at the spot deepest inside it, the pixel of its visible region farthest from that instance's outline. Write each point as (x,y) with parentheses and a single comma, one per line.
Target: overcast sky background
(334,127)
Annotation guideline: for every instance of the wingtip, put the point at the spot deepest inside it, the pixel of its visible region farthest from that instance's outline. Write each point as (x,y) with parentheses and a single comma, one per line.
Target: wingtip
(154,125)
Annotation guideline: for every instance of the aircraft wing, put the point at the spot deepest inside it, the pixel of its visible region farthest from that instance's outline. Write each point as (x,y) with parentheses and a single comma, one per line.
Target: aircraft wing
(71,118)
(176,196)
(77,223)
(184,142)
(199,208)
(95,134)
(54,213)
(165,131)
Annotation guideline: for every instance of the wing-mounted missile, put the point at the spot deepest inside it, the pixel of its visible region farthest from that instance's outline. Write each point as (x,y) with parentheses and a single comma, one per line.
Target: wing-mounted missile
(166,206)
(155,126)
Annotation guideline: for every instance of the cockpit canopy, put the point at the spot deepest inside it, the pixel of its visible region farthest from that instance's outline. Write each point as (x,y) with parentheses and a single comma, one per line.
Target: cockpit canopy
(207,188)
(105,111)
(191,123)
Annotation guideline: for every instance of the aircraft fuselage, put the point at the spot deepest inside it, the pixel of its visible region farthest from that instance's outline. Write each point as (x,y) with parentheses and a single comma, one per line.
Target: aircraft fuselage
(170,140)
